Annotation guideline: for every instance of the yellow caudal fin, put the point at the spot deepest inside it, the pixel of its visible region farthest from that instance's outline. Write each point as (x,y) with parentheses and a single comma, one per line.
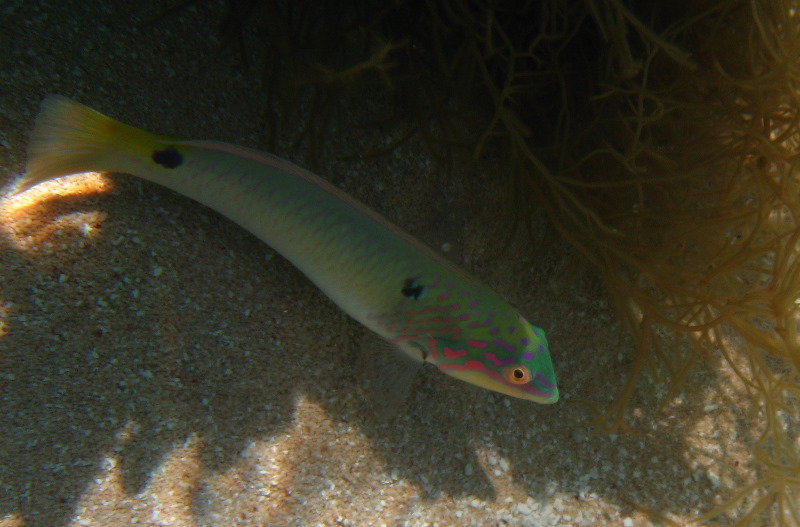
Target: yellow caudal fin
(69,138)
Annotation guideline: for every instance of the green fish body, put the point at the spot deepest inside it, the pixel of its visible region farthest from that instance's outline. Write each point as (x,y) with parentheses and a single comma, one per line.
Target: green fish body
(378,274)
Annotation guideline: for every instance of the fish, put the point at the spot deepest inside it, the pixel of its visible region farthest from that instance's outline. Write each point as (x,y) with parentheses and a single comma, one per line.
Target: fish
(420,304)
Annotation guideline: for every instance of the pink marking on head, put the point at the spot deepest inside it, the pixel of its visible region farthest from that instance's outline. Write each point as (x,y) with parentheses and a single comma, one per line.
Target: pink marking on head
(467,365)
(443,296)
(453,354)
(477,343)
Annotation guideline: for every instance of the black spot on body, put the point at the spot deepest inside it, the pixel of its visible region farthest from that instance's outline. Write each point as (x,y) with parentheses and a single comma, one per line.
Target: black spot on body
(412,289)
(168,157)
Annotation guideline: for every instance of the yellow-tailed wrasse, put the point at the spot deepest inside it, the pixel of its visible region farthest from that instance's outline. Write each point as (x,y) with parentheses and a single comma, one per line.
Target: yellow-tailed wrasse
(381,276)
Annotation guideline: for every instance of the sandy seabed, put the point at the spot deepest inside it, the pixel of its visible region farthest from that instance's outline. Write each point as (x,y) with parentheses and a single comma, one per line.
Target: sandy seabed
(160,366)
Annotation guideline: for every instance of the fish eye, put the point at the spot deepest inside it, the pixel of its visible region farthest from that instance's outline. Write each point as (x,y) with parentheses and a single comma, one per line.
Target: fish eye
(517,374)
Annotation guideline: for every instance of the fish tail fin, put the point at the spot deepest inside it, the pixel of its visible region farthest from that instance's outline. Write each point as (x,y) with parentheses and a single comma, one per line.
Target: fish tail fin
(69,138)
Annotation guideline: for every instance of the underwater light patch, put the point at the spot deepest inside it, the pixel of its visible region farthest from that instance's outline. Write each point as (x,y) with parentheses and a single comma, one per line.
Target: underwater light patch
(35,216)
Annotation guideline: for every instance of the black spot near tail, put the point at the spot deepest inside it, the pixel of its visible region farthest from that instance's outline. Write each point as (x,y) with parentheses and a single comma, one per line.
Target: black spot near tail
(168,157)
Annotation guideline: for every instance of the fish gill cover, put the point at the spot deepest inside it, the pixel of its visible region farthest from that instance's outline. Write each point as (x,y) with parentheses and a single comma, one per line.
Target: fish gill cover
(661,137)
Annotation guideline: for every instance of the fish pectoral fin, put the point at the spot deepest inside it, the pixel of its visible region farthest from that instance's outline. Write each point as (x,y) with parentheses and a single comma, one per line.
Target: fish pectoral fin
(390,371)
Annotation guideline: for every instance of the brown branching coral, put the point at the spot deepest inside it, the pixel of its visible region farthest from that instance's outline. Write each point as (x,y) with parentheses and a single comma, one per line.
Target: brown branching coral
(708,247)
